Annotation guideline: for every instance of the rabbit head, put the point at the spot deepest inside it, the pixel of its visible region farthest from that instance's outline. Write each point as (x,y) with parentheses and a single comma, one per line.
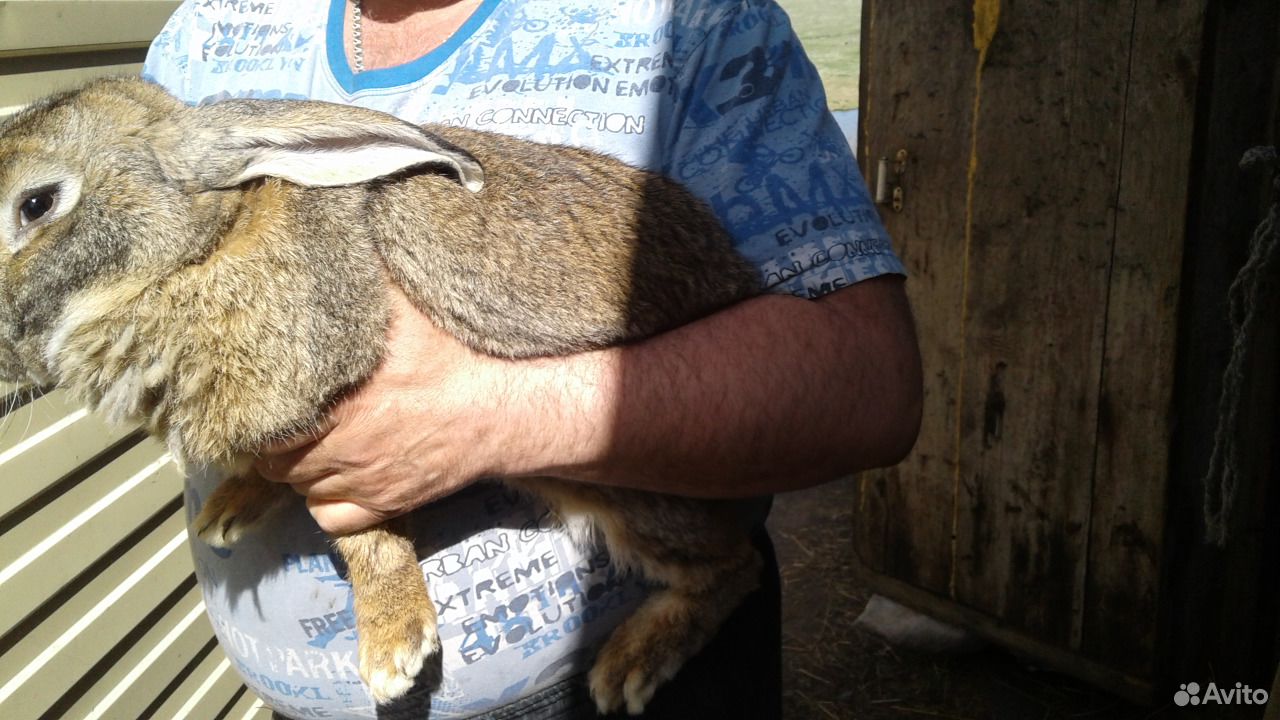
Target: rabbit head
(124,275)
(112,183)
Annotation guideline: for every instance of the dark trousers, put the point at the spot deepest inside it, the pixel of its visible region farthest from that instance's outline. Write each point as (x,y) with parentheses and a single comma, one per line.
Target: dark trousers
(738,675)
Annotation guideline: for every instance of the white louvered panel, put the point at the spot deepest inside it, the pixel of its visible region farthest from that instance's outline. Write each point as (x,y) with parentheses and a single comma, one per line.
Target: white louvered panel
(45,440)
(205,692)
(248,707)
(63,538)
(139,674)
(49,659)
(91,627)
(212,701)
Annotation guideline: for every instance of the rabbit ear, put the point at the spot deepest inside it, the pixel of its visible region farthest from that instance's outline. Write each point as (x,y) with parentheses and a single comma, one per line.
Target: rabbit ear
(308,143)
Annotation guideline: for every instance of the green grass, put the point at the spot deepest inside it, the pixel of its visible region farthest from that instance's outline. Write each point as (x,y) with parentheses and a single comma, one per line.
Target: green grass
(831,31)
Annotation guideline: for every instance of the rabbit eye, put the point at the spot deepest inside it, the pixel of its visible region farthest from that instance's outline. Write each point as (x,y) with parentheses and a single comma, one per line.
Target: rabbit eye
(36,206)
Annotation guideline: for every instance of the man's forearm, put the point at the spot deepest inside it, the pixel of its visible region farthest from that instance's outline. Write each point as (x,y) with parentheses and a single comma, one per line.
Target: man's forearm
(741,403)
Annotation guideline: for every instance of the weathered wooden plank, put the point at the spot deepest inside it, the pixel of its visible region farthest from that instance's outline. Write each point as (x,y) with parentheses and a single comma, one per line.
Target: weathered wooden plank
(1135,421)
(1048,155)
(1061,381)
(917,97)
(1052,656)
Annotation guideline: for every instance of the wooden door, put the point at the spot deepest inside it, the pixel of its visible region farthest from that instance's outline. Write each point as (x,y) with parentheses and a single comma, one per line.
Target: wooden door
(1044,202)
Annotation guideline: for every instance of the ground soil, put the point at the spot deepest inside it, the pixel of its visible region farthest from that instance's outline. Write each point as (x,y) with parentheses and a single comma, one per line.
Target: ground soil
(834,671)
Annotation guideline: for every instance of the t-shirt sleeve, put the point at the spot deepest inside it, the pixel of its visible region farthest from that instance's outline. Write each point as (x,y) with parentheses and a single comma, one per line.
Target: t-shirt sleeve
(752,135)
(167,59)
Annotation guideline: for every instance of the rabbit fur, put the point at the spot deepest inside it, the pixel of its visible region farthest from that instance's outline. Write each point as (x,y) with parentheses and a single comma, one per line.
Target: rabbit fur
(220,274)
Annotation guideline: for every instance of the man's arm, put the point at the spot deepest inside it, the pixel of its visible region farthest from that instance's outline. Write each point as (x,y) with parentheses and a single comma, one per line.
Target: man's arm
(773,394)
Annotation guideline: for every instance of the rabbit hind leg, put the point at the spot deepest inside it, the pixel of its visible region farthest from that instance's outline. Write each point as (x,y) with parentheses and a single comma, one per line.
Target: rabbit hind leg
(696,552)
(671,625)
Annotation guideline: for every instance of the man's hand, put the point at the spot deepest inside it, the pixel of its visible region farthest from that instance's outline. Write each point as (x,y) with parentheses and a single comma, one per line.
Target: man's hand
(416,431)
(772,394)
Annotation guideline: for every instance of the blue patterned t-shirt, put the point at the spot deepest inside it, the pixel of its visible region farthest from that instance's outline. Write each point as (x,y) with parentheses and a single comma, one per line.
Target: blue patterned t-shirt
(715,93)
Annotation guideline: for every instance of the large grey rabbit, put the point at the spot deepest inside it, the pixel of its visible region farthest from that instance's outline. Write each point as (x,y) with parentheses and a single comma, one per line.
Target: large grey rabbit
(220,274)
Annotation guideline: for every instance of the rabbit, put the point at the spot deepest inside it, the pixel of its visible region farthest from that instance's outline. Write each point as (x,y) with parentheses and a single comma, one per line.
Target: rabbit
(220,275)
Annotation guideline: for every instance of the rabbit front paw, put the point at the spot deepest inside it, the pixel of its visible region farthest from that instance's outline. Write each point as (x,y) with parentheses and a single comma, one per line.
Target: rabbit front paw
(235,507)
(393,649)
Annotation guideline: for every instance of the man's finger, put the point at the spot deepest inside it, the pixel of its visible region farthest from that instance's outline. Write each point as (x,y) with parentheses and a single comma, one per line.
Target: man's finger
(340,517)
(326,488)
(302,464)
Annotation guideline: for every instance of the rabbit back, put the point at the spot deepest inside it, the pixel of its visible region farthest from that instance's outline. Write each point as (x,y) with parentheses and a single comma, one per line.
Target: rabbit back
(563,250)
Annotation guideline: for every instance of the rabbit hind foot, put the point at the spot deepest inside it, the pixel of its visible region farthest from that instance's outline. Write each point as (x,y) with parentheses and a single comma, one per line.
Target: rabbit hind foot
(668,628)
(237,505)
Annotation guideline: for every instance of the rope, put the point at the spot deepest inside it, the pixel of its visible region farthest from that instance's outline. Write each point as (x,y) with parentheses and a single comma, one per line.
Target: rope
(1249,292)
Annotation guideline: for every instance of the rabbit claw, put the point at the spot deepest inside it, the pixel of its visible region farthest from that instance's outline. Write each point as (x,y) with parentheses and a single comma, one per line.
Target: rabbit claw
(626,674)
(235,508)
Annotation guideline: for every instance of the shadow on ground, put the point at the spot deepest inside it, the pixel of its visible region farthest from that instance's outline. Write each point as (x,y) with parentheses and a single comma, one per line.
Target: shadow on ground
(833,671)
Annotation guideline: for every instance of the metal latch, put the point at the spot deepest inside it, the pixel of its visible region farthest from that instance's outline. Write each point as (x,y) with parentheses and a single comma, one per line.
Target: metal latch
(885,196)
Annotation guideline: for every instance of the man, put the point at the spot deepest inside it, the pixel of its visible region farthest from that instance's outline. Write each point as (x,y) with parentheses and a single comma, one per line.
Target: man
(774,394)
